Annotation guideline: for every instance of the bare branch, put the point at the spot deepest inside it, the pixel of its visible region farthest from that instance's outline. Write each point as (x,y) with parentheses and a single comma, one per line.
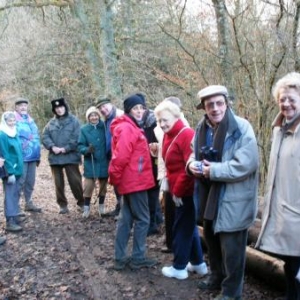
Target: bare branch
(37,4)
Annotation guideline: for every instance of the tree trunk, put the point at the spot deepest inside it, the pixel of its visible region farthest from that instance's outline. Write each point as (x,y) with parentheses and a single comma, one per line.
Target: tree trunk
(108,50)
(224,37)
(91,52)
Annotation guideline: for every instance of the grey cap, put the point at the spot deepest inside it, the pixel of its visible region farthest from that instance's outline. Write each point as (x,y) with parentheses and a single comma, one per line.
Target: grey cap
(21,100)
(209,91)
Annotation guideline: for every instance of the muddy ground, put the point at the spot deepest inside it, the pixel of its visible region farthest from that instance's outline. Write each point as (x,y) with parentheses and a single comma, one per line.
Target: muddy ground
(66,257)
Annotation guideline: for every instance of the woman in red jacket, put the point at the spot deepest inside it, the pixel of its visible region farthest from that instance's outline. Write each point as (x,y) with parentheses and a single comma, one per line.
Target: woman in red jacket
(130,171)
(176,150)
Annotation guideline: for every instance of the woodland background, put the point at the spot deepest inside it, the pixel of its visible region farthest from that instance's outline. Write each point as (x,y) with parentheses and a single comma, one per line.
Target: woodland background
(80,49)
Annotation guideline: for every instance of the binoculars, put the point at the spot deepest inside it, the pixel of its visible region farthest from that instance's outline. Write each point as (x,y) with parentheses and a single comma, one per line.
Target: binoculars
(208,153)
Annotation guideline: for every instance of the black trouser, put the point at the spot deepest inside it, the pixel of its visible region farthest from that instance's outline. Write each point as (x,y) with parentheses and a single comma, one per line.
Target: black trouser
(153,203)
(291,268)
(169,212)
(74,179)
(227,255)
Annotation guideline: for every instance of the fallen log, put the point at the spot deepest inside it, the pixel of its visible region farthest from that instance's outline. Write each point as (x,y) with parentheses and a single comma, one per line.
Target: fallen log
(254,231)
(261,265)
(265,267)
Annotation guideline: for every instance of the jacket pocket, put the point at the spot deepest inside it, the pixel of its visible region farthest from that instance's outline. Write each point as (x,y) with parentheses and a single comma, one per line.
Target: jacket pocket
(290,208)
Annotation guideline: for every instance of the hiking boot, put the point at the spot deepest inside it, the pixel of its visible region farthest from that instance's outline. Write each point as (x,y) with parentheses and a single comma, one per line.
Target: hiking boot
(19,219)
(200,269)
(80,208)
(211,283)
(101,209)
(171,272)
(142,263)
(223,297)
(86,211)
(63,210)
(12,226)
(2,240)
(120,264)
(29,206)
(21,213)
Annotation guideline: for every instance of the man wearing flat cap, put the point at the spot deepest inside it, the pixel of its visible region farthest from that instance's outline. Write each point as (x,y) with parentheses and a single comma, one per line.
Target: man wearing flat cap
(31,150)
(60,137)
(225,165)
(109,112)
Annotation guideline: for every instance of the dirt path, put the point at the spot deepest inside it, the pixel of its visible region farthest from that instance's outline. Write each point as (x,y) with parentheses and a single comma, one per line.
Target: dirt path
(66,257)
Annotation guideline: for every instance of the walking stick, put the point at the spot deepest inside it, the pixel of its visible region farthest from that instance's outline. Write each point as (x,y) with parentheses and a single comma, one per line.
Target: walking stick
(94,176)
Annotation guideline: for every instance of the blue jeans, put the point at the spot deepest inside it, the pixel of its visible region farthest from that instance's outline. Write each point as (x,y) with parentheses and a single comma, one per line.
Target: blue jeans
(186,240)
(11,198)
(134,214)
(27,180)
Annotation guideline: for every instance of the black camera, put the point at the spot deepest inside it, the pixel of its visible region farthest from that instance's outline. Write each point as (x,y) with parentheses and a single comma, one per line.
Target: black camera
(208,153)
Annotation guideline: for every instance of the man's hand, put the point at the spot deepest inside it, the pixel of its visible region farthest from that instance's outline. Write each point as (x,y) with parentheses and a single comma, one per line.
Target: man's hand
(56,150)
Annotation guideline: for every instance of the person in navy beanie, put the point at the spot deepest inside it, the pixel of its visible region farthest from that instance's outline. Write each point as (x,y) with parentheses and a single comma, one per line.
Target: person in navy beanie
(133,100)
(130,171)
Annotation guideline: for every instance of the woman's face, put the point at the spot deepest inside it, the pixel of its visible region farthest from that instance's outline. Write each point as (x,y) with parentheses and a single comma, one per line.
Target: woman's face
(166,120)
(137,112)
(94,118)
(11,122)
(289,102)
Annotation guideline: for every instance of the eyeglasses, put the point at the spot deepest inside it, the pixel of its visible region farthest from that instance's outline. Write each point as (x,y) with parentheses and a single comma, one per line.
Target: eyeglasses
(211,105)
(289,100)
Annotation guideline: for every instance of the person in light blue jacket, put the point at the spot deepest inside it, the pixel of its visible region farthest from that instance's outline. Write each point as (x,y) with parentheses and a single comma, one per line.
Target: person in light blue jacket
(225,164)
(31,150)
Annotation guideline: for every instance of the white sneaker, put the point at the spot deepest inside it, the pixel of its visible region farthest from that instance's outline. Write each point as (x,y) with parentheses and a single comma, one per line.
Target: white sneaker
(101,209)
(199,269)
(86,211)
(172,272)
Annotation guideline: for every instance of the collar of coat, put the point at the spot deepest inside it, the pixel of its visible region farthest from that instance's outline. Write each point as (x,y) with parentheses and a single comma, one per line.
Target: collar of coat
(280,121)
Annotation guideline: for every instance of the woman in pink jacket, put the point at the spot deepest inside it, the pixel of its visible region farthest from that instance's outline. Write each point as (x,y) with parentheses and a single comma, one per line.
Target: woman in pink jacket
(130,171)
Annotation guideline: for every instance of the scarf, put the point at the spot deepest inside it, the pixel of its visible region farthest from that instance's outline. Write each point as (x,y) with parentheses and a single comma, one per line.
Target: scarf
(209,191)
(10,131)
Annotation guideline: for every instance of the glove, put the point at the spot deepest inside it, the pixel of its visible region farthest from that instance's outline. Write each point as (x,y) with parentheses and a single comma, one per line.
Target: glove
(90,149)
(177,200)
(11,179)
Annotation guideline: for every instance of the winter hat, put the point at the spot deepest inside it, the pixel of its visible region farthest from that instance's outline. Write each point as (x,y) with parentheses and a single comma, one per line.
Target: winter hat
(21,100)
(57,103)
(90,110)
(133,100)
(211,90)
(102,100)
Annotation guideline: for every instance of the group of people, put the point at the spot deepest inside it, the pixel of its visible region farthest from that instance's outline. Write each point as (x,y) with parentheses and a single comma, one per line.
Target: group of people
(212,179)
(20,153)
(208,176)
